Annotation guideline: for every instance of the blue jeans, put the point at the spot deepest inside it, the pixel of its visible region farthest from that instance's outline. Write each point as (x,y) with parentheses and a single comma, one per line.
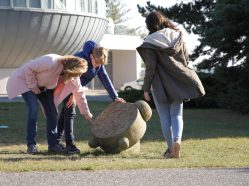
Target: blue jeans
(66,122)
(47,101)
(171,117)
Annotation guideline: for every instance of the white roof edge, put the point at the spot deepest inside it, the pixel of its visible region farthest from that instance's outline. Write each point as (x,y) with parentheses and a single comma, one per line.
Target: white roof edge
(120,42)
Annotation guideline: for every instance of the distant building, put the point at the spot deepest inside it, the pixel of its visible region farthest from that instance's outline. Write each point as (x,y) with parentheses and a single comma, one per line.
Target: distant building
(30,28)
(125,62)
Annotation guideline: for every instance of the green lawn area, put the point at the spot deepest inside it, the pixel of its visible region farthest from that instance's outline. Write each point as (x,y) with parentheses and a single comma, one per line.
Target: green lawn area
(211,138)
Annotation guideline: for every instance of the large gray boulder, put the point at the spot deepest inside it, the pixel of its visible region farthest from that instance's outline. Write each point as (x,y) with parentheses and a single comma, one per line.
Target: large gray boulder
(120,126)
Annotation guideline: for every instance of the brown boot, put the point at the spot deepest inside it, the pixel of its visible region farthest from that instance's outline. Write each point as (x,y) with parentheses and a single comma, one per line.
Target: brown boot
(176,150)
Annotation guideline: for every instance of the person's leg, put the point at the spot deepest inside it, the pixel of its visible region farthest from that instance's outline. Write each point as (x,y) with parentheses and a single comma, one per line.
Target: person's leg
(47,101)
(69,115)
(164,115)
(69,124)
(31,101)
(176,114)
(60,126)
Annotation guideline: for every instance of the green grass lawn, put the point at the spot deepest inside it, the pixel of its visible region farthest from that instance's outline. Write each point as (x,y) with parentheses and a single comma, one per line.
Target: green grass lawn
(211,138)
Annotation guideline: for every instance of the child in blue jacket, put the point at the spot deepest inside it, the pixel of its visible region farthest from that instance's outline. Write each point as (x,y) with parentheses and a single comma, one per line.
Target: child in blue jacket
(97,57)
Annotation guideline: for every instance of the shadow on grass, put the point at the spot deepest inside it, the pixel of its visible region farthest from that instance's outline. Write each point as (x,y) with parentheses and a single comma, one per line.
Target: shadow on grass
(204,124)
(41,156)
(198,124)
(10,156)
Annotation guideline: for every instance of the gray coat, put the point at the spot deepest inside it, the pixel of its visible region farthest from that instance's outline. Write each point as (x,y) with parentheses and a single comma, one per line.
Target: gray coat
(166,60)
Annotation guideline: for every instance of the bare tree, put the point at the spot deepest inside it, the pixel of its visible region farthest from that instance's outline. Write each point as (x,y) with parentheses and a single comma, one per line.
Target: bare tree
(119,12)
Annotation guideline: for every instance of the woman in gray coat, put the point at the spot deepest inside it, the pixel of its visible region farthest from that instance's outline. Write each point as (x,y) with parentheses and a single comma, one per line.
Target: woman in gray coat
(168,77)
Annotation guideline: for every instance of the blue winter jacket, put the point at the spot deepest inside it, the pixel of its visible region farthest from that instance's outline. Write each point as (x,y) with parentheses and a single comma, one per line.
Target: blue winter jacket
(92,72)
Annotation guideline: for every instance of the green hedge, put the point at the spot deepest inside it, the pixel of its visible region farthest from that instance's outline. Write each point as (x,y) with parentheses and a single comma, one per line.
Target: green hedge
(225,88)
(134,95)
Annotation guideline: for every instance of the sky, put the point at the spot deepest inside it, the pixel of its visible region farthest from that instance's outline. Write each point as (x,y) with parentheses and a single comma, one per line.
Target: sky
(136,20)
(135,17)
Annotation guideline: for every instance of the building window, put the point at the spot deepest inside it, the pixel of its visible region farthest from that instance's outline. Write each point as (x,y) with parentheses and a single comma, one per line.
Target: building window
(59,5)
(70,5)
(90,6)
(85,5)
(79,7)
(46,4)
(19,3)
(96,10)
(35,3)
(97,7)
(5,3)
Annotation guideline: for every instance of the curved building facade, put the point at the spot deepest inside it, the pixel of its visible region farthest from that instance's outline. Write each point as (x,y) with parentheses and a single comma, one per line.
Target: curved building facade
(30,28)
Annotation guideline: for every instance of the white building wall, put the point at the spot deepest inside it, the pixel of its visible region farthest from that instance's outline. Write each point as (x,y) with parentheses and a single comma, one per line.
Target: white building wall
(125,60)
(4,75)
(126,66)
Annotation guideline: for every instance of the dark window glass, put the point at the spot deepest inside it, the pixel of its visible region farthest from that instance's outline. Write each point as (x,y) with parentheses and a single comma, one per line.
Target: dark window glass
(35,3)
(19,3)
(4,3)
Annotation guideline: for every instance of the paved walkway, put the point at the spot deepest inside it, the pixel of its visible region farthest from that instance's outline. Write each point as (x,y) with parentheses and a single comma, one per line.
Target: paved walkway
(141,177)
(91,95)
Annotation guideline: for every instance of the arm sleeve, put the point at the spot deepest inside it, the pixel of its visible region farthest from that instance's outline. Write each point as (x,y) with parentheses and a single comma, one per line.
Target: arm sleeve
(150,58)
(81,100)
(185,51)
(105,80)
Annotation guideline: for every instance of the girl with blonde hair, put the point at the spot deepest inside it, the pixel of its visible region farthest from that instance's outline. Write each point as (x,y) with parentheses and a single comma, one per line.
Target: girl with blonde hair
(48,79)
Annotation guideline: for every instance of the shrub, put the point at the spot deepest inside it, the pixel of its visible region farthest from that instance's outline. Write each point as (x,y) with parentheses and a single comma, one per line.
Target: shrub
(225,88)
(134,95)
(209,100)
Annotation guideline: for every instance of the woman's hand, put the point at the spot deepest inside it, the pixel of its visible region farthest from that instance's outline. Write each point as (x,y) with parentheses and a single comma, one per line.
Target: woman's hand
(71,102)
(88,117)
(36,90)
(120,100)
(147,96)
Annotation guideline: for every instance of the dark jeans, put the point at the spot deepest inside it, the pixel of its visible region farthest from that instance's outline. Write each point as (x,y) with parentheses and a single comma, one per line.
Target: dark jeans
(66,122)
(47,101)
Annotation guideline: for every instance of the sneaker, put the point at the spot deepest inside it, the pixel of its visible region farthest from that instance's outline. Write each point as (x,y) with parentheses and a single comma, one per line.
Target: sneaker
(176,150)
(57,148)
(32,149)
(167,154)
(62,144)
(72,149)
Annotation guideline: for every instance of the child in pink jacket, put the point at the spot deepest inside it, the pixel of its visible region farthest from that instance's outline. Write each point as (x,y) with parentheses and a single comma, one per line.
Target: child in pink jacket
(48,79)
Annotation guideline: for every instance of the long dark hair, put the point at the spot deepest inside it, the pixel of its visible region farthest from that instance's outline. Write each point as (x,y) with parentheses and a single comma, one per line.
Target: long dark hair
(156,21)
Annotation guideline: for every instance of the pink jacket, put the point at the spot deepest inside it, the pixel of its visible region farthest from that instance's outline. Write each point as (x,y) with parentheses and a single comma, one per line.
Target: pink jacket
(45,71)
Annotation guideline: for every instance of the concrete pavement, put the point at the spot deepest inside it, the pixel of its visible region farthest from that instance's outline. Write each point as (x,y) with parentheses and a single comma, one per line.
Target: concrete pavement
(91,95)
(141,177)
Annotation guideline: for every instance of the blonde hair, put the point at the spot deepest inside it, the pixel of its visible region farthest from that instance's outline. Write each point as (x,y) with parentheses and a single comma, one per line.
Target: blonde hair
(73,66)
(100,55)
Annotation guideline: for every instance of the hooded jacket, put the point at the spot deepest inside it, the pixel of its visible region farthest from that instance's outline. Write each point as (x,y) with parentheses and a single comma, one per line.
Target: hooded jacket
(167,72)
(92,72)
